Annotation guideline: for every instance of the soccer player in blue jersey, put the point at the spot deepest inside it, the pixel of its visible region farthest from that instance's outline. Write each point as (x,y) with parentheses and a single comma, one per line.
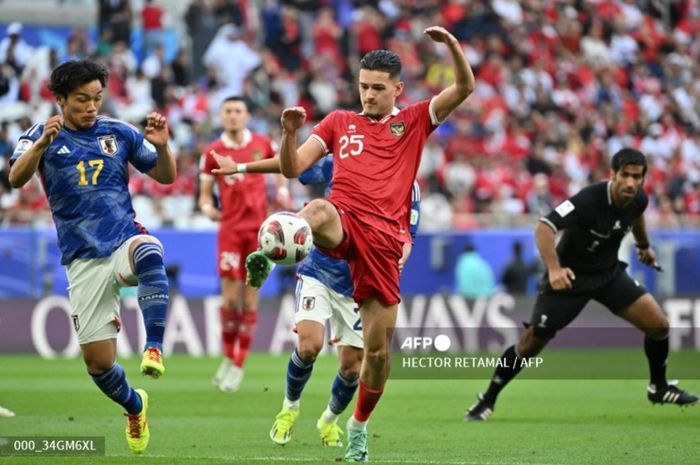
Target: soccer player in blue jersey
(82,159)
(324,292)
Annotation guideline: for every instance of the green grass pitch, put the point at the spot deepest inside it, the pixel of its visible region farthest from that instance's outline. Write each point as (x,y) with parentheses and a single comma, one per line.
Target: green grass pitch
(537,422)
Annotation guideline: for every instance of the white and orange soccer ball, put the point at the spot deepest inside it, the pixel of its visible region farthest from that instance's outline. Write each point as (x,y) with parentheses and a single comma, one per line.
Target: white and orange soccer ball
(285,238)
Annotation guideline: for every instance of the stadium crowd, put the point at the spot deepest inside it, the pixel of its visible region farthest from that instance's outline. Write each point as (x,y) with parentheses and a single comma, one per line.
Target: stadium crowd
(561,85)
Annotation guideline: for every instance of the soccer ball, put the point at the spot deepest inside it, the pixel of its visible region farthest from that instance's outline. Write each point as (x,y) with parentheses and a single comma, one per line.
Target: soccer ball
(285,238)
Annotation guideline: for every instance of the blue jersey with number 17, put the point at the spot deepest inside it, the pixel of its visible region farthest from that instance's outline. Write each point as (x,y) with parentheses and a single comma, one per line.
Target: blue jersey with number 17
(331,272)
(86,178)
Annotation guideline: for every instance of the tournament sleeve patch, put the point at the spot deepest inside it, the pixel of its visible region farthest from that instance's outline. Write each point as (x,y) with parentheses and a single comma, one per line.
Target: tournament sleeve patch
(414,216)
(564,208)
(23,145)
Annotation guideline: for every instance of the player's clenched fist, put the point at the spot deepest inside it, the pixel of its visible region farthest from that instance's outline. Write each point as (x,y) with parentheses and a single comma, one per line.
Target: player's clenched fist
(439,34)
(156,131)
(293,118)
(51,129)
(561,279)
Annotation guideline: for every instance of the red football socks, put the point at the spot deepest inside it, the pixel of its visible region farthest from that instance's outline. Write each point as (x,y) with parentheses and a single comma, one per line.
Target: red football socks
(246,330)
(367,399)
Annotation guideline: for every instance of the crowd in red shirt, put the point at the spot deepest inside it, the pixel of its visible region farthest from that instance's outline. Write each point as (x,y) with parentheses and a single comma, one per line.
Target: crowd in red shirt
(561,85)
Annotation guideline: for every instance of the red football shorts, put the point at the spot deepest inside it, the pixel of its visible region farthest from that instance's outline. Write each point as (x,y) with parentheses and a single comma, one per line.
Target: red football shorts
(373,257)
(234,247)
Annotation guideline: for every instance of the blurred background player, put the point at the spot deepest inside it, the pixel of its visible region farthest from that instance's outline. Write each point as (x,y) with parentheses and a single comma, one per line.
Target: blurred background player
(584,266)
(83,161)
(365,219)
(244,206)
(324,292)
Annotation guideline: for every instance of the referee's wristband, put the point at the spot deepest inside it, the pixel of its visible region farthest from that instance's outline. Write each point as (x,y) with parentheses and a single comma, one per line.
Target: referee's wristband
(642,246)
(242,168)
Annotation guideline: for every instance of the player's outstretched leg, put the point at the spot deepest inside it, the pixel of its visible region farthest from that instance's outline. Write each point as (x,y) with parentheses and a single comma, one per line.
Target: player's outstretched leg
(659,390)
(486,403)
(115,386)
(246,323)
(298,373)
(137,433)
(342,392)
(153,299)
(670,394)
(258,267)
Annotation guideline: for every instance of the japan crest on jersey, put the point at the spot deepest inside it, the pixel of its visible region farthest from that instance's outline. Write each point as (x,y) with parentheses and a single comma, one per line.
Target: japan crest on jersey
(308,303)
(108,144)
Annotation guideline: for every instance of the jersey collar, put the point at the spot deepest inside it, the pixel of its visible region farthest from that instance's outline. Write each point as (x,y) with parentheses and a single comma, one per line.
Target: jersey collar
(231,144)
(394,112)
(609,190)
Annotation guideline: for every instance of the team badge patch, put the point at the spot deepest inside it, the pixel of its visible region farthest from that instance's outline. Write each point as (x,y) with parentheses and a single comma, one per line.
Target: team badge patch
(308,303)
(257,155)
(398,128)
(108,144)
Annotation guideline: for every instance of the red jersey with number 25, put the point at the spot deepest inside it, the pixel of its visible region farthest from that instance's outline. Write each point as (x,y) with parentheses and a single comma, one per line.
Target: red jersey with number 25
(243,196)
(376,161)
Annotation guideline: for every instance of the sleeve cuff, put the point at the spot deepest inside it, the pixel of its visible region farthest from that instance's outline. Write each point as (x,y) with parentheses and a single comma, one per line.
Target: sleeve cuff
(320,141)
(433,117)
(550,224)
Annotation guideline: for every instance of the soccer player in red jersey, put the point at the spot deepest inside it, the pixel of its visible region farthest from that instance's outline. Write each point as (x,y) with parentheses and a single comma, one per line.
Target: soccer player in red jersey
(365,219)
(244,206)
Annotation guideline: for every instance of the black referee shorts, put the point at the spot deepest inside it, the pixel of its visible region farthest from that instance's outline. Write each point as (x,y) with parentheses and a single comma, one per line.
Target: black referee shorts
(554,310)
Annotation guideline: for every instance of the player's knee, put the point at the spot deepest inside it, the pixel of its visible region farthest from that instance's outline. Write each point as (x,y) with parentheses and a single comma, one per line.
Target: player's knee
(316,213)
(659,331)
(530,345)
(350,373)
(229,304)
(308,350)
(377,357)
(97,363)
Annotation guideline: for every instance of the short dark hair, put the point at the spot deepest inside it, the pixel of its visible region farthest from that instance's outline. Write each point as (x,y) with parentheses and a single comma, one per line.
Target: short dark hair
(382,60)
(67,77)
(237,98)
(628,156)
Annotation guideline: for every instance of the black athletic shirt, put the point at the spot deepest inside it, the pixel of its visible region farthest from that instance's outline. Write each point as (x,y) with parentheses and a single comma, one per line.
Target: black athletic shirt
(593,227)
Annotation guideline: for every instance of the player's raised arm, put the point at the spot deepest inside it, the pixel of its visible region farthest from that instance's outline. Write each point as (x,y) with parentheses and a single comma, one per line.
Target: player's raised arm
(156,133)
(23,168)
(293,160)
(228,166)
(450,98)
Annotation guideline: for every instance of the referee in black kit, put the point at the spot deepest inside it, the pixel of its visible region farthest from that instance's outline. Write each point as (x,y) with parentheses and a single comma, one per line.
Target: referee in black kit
(584,266)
